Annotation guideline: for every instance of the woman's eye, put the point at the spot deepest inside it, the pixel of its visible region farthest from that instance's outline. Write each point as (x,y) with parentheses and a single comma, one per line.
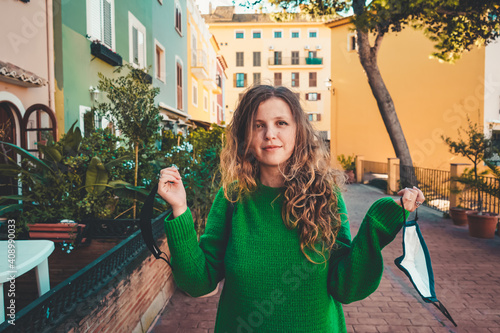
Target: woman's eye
(258,125)
(282,123)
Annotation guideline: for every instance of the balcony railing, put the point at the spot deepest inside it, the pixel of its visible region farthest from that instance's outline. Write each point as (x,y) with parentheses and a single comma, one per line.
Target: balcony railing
(199,59)
(294,61)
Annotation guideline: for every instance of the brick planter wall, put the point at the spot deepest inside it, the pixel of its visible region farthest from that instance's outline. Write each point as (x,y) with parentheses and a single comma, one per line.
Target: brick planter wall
(130,302)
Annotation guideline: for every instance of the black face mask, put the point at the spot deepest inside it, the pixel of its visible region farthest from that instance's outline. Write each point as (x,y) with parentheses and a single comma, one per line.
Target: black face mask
(416,263)
(146,228)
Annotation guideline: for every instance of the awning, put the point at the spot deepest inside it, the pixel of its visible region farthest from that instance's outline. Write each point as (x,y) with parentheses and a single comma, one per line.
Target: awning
(16,75)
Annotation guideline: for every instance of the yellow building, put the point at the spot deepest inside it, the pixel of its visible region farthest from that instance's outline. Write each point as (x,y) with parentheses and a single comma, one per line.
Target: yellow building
(294,54)
(431,98)
(202,63)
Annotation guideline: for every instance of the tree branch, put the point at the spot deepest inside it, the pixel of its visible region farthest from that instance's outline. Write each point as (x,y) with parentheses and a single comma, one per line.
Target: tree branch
(378,41)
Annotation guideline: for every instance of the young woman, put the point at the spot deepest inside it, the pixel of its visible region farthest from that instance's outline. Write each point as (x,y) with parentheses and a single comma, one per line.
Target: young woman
(278,231)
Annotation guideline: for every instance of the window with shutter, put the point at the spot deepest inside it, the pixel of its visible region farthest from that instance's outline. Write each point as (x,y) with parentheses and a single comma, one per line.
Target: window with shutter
(100,21)
(178,19)
(239,59)
(295,79)
(256,59)
(295,58)
(240,80)
(312,79)
(179,86)
(135,46)
(256,78)
(137,40)
(277,79)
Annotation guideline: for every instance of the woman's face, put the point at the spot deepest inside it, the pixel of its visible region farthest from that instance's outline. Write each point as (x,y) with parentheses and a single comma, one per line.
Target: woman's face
(273,136)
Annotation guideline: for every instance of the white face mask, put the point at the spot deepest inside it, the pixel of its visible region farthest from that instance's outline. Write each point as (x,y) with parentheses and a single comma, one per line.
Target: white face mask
(416,263)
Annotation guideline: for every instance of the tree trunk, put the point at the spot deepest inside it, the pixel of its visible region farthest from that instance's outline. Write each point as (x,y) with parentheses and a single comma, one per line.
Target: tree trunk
(368,59)
(136,148)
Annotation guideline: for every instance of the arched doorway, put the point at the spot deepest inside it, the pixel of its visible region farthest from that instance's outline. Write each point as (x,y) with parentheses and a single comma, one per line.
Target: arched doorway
(9,120)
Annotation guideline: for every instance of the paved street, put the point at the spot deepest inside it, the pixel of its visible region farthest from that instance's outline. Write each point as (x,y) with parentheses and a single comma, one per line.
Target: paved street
(466,273)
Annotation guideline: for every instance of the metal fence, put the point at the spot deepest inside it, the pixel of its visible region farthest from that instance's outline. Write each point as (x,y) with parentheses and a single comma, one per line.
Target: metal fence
(469,197)
(435,184)
(51,309)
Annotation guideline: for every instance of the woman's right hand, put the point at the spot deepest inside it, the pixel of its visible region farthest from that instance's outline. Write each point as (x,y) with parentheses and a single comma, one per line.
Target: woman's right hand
(171,189)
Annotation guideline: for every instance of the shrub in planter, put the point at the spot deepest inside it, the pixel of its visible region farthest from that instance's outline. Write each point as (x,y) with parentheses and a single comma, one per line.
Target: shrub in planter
(348,163)
(476,147)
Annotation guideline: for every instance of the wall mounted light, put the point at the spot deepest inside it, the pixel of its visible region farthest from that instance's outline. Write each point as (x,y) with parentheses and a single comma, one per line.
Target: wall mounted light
(94,94)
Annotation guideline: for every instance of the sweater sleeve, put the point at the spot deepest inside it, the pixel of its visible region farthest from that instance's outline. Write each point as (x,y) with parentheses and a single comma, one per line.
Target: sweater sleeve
(198,267)
(356,267)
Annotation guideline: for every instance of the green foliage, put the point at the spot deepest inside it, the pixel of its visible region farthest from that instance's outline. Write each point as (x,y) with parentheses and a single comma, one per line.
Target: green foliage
(476,148)
(197,157)
(347,162)
(133,109)
(454,26)
(131,105)
(70,181)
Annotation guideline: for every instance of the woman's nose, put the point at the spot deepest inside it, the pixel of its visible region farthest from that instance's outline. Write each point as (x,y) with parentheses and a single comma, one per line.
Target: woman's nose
(270,133)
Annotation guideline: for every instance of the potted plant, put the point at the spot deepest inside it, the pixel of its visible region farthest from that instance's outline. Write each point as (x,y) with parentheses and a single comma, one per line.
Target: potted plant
(348,163)
(476,147)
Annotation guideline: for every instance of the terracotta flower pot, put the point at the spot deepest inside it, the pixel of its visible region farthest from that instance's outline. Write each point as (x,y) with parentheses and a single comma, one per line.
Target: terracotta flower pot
(459,215)
(351,178)
(482,226)
(56,232)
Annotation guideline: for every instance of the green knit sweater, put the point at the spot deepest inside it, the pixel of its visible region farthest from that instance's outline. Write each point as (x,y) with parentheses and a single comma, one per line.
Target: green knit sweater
(269,284)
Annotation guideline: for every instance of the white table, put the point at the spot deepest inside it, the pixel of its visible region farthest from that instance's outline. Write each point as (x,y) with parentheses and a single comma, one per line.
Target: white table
(29,254)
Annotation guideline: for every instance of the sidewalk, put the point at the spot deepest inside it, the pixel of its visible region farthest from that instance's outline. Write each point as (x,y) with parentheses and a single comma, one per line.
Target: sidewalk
(466,274)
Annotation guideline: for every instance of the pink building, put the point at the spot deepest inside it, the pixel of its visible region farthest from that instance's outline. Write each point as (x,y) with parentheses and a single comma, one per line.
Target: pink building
(27,115)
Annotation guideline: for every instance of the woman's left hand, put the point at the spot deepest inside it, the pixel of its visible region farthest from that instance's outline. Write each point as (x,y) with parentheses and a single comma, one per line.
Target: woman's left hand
(412,198)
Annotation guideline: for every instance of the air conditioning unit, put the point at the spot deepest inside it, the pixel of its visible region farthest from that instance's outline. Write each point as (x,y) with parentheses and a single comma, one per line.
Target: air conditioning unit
(306,47)
(318,47)
(271,47)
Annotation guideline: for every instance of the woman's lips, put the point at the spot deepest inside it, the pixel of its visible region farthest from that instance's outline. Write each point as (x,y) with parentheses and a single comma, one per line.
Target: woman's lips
(271,148)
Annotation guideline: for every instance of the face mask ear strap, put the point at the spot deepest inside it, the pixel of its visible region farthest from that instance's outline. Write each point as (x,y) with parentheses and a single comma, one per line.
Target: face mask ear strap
(404,212)
(441,308)
(146,228)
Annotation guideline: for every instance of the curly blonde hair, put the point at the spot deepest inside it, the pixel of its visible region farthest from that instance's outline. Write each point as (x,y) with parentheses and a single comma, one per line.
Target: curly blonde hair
(311,184)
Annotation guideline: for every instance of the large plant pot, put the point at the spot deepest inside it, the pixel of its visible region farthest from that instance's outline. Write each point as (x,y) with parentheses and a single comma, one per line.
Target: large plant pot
(351,178)
(459,215)
(482,226)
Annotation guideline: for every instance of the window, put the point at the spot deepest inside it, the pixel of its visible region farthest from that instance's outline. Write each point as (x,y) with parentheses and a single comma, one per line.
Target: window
(178,19)
(313,33)
(295,58)
(205,101)
(239,59)
(278,34)
(295,79)
(101,21)
(41,124)
(137,42)
(313,97)
(256,59)
(313,54)
(195,93)
(179,86)
(240,80)
(277,79)
(313,79)
(314,117)
(295,34)
(277,58)
(160,61)
(256,78)
(239,34)
(352,44)
(194,48)
(256,34)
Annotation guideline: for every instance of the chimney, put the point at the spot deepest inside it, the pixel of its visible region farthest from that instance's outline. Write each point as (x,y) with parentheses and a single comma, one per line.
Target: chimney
(210,11)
